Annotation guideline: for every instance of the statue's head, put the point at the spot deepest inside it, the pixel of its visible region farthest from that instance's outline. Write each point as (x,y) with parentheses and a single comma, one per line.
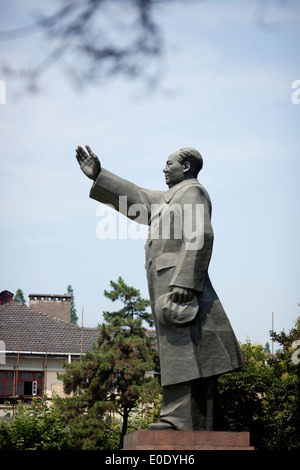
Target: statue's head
(181,165)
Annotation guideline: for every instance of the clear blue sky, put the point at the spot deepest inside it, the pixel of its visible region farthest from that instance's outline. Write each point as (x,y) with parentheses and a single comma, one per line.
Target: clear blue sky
(227,72)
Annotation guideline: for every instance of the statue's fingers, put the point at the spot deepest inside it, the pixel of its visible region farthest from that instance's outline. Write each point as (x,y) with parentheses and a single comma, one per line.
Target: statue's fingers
(79,150)
(80,155)
(91,152)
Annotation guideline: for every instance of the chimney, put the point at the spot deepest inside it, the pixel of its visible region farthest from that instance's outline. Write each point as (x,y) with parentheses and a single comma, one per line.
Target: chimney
(58,306)
(5,297)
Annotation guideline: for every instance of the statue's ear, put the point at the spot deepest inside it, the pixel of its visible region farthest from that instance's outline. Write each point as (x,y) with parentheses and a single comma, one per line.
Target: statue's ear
(186,166)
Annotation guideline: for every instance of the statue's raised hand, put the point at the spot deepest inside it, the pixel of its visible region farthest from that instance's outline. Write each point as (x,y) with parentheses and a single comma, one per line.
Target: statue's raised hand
(89,162)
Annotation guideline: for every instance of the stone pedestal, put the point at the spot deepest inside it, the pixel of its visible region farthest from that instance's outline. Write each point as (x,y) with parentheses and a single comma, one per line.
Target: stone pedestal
(149,439)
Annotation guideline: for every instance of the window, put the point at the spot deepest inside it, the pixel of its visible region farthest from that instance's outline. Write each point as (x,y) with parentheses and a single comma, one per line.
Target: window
(29,383)
(26,375)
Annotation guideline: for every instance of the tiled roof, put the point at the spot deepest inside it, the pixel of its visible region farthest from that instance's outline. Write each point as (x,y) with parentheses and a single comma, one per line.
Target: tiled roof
(38,331)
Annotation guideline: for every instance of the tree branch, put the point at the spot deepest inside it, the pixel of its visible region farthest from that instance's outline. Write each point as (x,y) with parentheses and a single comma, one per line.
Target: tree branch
(94,39)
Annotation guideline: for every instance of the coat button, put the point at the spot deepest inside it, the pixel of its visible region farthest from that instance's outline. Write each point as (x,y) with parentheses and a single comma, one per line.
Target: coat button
(150,262)
(150,242)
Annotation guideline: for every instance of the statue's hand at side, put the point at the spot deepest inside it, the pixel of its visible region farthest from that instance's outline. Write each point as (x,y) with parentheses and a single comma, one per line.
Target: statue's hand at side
(181,295)
(89,162)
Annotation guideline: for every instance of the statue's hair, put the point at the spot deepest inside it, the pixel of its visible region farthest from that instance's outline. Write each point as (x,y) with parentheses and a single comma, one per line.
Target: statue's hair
(193,157)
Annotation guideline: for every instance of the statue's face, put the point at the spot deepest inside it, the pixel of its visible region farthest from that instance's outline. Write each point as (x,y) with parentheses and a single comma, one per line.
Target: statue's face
(174,171)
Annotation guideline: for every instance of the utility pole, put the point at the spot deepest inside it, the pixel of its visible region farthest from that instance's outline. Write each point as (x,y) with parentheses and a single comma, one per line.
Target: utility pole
(272,330)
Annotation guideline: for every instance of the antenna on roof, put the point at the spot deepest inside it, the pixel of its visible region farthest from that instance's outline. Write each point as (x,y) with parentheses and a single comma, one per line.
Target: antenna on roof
(81,333)
(46,372)
(272,330)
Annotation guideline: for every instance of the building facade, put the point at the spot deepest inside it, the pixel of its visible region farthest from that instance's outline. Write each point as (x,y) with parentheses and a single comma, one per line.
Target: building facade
(34,341)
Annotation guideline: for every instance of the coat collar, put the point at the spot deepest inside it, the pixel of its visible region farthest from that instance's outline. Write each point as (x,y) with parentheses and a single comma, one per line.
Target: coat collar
(172,191)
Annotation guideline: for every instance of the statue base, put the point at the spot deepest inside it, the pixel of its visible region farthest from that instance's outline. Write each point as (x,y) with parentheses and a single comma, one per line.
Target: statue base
(149,439)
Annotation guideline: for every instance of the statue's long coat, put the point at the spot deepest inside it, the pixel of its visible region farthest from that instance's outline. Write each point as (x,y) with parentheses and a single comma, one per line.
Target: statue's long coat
(207,346)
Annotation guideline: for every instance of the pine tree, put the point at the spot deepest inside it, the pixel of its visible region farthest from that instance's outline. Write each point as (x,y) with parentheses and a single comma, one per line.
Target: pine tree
(134,305)
(73,316)
(112,377)
(19,297)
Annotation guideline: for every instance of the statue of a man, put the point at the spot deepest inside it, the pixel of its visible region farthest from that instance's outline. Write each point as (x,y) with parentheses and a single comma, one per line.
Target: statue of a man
(196,341)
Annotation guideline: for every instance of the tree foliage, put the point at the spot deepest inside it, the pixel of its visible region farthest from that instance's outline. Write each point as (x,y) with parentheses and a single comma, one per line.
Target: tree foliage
(112,377)
(73,316)
(134,305)
(136,420)
(282,397)
(265,399)
(37,426)
(95,40)
(19,297)
(239,404)
(91,40)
